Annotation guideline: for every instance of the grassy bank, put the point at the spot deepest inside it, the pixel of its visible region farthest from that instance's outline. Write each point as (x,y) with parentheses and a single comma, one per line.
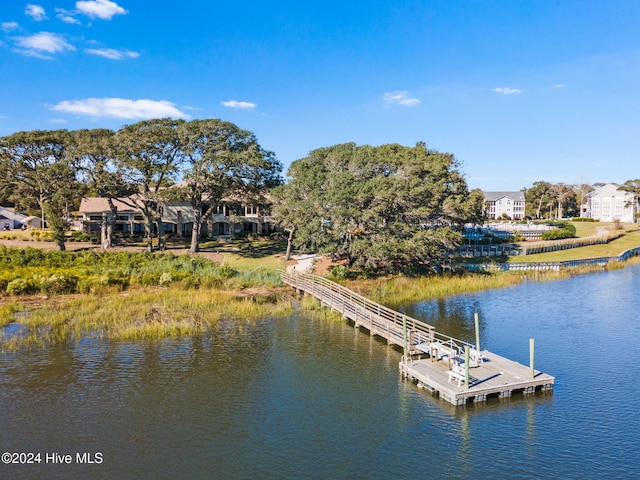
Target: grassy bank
(61,297)
(125,295)
(398,290)
(150,312)
(611,249)
(31,271)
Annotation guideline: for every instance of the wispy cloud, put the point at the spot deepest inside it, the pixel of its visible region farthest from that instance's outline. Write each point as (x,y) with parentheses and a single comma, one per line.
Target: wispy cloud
(36,12)
(103,9)
(57,121)
(111,53)
(8,26)
(560,85)
(120,108)
(400,97)
(41,44)
(239,105)
(506,90)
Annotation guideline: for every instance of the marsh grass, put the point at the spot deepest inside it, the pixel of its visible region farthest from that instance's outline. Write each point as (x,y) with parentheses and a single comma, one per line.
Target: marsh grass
(401,289)
(30,271)
(8,312)
(151,312)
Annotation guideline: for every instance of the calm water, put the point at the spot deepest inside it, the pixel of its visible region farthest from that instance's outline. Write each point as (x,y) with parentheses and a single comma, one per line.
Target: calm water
(312,398)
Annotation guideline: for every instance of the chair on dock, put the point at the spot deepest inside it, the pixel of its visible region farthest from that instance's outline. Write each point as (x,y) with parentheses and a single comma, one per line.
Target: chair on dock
(457,372)
(475,358)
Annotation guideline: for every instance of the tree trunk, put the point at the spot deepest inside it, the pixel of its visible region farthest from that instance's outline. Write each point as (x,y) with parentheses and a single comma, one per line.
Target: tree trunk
(539,208)
(287,255)
(147,231)
(111,225)
(160,235)
(195,234)
(104,242)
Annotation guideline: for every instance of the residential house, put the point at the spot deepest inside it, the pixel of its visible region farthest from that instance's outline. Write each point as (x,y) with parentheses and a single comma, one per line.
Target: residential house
(608,203)
(501,204)
(177,218)
(11,220)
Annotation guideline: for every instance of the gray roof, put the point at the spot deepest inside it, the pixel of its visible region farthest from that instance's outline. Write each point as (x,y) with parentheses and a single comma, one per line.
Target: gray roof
(493,196)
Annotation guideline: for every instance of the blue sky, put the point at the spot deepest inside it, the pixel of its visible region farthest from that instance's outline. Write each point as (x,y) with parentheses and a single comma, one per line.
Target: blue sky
(519,91)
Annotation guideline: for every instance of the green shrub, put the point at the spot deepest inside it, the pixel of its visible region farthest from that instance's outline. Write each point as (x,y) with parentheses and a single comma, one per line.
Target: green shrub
(340,272)
(22,286)
(226,271)
(565,230)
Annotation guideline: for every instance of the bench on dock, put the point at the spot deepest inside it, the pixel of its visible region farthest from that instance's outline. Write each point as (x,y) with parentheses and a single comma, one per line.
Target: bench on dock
(458,373)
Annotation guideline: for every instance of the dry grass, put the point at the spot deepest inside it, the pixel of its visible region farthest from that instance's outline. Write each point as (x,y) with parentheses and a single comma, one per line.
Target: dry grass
(146,313)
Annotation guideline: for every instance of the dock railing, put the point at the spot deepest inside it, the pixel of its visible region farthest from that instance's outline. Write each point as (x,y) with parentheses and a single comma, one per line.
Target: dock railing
(378,319)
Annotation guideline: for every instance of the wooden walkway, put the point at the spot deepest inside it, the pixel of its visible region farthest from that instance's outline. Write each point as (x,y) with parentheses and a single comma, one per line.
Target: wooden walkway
(436,361)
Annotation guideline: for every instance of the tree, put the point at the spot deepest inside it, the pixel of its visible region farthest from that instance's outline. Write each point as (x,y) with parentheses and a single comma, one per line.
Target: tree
(565,198)
(633,186)
(581,191)
(223,162)
(386,208)
(39,171)
(93,154)
(536,197)
(150,155)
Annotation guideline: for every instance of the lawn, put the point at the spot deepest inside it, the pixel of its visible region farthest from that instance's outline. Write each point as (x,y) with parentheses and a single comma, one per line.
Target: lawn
(611,249)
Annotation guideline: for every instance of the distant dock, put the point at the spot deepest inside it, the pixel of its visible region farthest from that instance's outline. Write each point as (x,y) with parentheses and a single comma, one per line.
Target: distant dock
(455,370)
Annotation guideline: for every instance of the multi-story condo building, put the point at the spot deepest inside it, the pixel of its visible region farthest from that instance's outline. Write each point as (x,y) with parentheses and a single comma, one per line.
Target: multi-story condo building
(501,204)
(608,203)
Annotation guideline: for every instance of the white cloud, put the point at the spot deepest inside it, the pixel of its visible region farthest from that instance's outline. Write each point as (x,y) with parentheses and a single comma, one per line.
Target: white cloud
(120,108)
(400,97)
(57,120)
(237,104)
(506,90)
(36,12)
(67,16)
(103,9)
(112,53)
(42,43)
(560,85)
(69,19)
(8,26)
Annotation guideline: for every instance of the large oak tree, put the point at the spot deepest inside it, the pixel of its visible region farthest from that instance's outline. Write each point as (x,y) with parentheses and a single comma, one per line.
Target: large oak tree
(386,208)
(150,154)
(223,162)
(39,171)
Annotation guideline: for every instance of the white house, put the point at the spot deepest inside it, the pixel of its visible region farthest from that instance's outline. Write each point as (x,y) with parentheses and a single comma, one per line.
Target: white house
(609,203)
(510,204)
(10,220)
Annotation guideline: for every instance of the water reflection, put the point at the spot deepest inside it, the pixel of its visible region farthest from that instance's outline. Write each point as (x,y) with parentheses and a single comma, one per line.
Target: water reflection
(307,397)
(453,317)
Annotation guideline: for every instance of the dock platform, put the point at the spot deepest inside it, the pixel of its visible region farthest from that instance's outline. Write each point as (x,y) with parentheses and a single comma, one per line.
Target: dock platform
(495,376)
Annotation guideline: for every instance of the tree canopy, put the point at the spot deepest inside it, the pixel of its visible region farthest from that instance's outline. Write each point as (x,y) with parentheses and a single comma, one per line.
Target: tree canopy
(38,171)
(223,162)
(217,160)
(387,208)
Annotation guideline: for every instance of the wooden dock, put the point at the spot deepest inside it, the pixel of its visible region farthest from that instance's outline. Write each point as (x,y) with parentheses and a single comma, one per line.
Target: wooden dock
(441,363)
